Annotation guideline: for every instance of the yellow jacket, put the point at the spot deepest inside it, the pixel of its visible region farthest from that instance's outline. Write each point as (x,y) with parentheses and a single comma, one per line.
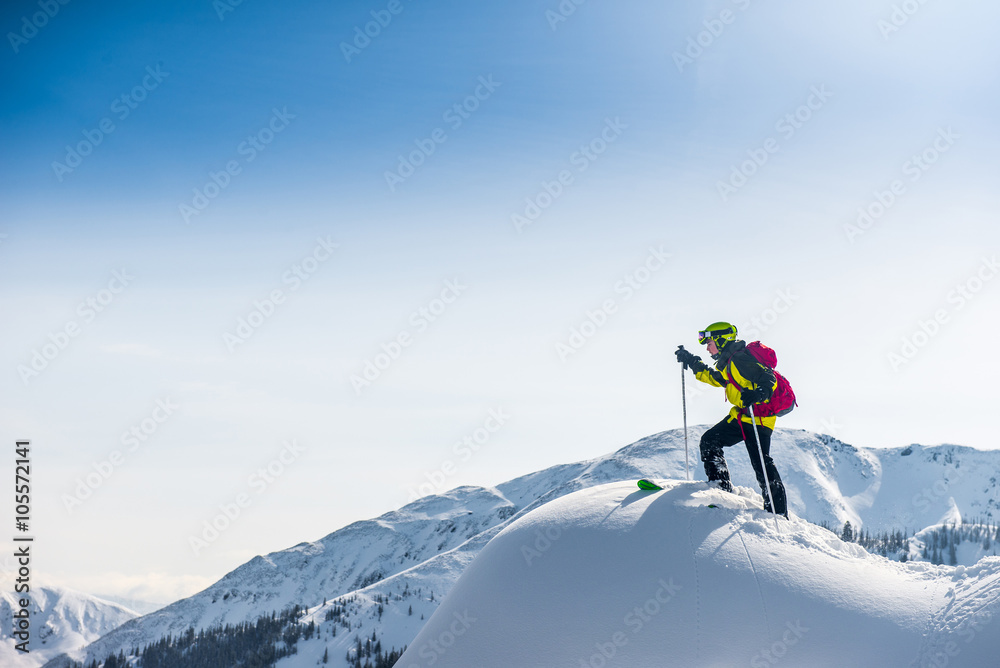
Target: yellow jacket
(738,364)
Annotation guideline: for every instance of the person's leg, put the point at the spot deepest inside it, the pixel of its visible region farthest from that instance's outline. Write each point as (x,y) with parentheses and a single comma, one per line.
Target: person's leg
(722,435)
(777,487)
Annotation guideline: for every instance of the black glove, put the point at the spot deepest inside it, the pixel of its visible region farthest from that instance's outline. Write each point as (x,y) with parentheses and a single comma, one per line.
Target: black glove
(756,395)
(687,358)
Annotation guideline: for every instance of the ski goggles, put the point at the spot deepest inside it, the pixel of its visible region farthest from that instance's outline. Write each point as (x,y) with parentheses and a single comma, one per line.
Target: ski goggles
(705,337)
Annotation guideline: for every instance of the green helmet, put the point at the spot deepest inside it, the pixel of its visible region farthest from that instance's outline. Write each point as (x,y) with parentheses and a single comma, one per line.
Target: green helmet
(721,332)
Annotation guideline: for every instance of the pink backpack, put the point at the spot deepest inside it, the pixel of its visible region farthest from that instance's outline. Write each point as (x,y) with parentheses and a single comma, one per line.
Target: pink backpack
(782,400)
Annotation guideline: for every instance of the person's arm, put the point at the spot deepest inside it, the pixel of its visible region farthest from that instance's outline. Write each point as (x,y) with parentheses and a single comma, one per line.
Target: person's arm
(761,376)
(702,371)
(707,374)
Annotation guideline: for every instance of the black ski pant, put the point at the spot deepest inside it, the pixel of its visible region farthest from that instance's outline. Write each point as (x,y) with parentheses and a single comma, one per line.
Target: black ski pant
(730,432)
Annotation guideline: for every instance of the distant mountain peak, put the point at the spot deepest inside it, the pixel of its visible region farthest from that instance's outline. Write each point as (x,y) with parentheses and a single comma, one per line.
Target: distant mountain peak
(63,620)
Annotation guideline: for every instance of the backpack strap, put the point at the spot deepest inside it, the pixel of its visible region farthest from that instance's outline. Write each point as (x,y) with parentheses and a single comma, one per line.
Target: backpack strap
(732,380)
(741,411)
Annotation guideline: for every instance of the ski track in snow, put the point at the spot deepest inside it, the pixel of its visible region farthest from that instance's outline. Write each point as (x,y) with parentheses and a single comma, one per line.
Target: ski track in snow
(973,606)
(928,641)
(697,583)
(760,591)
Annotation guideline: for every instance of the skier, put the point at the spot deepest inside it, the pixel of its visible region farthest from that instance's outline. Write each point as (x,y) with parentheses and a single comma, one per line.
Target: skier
(747,382)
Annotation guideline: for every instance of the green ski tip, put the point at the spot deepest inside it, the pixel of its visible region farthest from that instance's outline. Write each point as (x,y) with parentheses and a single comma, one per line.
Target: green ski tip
(712,505)
(648,485)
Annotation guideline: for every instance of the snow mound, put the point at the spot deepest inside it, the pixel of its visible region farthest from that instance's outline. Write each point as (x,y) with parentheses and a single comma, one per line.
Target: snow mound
(694,576)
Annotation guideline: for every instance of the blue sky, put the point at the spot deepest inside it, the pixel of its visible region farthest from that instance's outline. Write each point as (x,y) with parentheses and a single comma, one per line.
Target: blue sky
(597,100)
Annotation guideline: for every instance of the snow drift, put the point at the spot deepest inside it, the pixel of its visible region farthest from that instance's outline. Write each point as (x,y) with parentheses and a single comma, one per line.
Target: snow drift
(613,576)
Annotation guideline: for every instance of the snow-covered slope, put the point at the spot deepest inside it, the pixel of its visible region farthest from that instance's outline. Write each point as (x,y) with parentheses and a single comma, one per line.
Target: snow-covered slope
(62,620)
(615,576)
(402,557)
(924,485)
(344,561)
(954,544)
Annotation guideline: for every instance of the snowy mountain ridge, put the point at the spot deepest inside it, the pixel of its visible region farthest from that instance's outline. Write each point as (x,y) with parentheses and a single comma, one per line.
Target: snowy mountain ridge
(413,556)
(62,621)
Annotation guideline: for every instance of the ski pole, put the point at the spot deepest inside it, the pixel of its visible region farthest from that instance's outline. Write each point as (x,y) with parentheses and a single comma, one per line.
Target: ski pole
(684,403)
(763,468)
